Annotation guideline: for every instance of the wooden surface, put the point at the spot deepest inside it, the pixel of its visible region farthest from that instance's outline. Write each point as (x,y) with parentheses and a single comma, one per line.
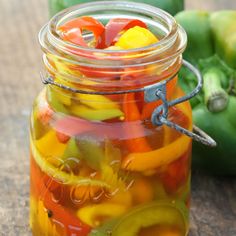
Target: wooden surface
(213,210)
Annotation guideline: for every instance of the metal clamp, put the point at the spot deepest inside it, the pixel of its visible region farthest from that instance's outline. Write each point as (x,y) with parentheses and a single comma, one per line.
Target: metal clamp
(160,114)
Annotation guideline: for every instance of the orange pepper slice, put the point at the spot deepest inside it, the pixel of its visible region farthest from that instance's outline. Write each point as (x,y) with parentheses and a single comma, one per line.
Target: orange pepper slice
(157,158)
(138,161)
(132,113)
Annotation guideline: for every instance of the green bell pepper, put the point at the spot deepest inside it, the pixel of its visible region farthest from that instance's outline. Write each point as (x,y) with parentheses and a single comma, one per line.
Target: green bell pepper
(224,31)
(212,48)
(198,37)
(171,6)
(221,126)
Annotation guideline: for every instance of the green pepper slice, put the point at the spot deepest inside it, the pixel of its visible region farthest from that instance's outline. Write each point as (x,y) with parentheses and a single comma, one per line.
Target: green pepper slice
(161,213)
(167,213)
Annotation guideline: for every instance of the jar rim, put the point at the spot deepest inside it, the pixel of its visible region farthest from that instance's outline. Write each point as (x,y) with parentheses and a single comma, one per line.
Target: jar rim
(173,31)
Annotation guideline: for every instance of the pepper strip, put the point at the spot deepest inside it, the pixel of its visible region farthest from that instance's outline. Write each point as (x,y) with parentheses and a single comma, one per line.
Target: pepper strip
(153,159)
(50,145)
(157,158)
(91,213)
(72,30)
(132,113)
(88,113)
(158,213)
(66,217)
(97,101)
(114,27)
(136,37)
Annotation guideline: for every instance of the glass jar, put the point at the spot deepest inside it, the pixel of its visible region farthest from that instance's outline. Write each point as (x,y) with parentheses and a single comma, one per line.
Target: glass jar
(98,164)
(171,6)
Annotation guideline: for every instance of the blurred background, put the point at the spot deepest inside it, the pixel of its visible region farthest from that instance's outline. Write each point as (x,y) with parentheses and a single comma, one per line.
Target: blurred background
(214,198)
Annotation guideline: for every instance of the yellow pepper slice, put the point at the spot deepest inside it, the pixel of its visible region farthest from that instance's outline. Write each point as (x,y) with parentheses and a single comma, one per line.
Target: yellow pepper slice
(61,96)
(39,220)
(136,37)
(97,102)
(157,158)
(86,112)
(93,214)
(50,146)
(61,66)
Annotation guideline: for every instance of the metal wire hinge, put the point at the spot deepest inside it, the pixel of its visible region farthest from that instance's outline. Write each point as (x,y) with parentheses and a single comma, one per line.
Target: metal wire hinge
(160,114)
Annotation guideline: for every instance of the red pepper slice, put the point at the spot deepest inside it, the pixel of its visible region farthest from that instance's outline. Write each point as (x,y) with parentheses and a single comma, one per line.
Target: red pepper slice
(73,225)
(177,173)
(114,27)
(92,72)
(132,113)
(72,30)
(58,213)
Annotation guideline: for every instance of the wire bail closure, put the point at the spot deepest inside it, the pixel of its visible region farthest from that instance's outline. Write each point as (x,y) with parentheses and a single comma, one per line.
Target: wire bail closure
(152,93)
(159,115)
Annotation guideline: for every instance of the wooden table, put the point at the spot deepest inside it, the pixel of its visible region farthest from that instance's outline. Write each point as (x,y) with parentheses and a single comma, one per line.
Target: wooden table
(213,211)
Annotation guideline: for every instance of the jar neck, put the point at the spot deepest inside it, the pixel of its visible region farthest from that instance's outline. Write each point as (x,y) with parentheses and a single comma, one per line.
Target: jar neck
(109,70)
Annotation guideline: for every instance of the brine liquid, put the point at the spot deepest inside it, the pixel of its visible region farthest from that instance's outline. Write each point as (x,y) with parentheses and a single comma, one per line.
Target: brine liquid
(86,181)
